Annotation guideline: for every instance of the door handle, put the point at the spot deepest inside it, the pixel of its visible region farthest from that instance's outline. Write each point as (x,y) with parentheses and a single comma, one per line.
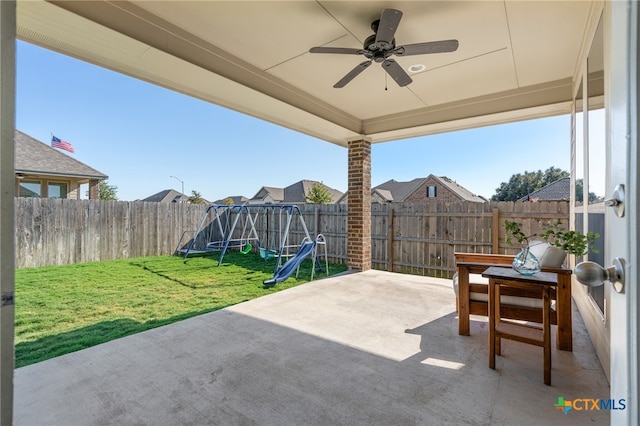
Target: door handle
(617,200)
(593,275)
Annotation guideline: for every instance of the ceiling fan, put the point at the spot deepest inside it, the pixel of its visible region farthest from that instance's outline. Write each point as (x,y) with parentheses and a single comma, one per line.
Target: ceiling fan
(380,46)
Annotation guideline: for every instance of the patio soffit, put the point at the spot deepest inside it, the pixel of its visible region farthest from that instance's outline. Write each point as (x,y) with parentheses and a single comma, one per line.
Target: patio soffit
(516,59)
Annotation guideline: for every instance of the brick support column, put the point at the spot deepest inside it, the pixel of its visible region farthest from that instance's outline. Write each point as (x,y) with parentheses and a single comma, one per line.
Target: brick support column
(359,206)
(94,193)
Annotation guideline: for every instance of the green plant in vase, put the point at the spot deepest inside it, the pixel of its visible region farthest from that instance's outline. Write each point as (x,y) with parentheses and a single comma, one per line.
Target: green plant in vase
(571,242)
(559,242)
(524,262)
(514,232)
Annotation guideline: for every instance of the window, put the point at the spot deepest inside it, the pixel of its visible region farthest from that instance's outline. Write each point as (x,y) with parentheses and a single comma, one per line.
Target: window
(57,190)
(431,191)
(30,189)
(589,162)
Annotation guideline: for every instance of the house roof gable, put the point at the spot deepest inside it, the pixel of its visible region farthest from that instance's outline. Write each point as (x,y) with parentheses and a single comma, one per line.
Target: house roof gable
(557,190)
(383,194)
(237,200)
(400,190)
(296,193)
(276,194)
(166,196)
(35,157)
(460,191)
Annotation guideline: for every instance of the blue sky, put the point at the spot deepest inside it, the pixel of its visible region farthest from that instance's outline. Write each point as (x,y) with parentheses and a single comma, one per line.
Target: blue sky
(140,134)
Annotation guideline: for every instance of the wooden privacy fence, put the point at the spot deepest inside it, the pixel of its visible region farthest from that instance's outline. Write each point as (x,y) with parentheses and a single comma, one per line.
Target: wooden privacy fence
(422,238)
(408,238)
(53,231)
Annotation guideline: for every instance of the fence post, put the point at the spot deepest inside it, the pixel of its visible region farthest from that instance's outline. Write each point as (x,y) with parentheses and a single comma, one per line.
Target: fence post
(495,231)
(390,236)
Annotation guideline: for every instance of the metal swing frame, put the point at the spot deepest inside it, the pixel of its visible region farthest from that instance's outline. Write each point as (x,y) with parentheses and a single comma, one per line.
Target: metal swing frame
(221,223)
(225,230)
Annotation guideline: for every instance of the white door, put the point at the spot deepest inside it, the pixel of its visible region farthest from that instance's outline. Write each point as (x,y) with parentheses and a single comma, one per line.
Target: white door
(622,168)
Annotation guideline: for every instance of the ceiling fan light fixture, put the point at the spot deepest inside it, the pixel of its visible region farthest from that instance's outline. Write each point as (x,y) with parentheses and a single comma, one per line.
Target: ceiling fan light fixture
(416,68)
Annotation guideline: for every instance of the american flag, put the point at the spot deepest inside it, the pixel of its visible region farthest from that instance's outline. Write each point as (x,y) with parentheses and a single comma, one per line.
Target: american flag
(60,144)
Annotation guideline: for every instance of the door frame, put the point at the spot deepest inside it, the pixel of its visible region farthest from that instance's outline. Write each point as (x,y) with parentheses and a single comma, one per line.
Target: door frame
(595,321)
(621,58)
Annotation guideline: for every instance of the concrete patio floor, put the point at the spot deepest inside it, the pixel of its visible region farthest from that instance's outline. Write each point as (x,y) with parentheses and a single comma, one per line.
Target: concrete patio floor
(372,348)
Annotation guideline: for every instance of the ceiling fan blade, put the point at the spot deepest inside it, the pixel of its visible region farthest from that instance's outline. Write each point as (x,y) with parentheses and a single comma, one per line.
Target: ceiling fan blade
(389,20)
(338,50)
(396,72)
(352,74)
(428,47)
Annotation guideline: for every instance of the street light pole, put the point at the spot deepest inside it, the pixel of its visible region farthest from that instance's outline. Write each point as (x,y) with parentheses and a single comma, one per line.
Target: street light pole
(182,182)
(181,201)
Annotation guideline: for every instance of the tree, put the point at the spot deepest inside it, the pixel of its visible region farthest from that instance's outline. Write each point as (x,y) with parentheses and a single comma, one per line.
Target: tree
(521,185)
(228,201)
(579,195)
(319,194)
(106,191)
(196,198)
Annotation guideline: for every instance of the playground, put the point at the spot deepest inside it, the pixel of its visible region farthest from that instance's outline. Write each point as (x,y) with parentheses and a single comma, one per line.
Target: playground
(283,236)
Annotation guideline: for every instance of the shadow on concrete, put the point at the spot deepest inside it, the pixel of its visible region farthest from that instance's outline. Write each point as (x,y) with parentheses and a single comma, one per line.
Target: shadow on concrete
(357,349)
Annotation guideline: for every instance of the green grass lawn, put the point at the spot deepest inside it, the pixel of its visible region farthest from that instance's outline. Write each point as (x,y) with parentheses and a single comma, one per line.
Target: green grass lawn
(62,309)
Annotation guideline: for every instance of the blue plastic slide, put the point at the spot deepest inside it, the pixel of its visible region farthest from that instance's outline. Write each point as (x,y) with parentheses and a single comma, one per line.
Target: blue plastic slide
(292,264)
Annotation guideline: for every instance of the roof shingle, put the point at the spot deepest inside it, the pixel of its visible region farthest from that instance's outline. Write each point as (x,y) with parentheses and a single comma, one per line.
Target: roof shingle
(35,157)
(555,191)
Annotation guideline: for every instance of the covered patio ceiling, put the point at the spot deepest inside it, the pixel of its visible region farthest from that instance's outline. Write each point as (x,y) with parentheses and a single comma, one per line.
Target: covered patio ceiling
(516,59)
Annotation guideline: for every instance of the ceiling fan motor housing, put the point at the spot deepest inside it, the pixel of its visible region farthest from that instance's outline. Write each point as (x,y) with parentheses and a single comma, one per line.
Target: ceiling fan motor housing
(378,51)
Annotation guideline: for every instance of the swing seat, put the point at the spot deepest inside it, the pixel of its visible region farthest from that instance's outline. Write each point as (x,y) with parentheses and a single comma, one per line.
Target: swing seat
(246,249)
(267,254)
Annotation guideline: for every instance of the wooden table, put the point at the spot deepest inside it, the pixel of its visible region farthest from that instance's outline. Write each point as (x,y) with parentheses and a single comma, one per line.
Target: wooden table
(474,263)
(504,329)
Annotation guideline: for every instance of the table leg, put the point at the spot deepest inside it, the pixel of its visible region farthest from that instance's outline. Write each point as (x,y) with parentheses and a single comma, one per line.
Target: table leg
(498,308)
(564,335)
(546,332)
(492,324)
(463,301)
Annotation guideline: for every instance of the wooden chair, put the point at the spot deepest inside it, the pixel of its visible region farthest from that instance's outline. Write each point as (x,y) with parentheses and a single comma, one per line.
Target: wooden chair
(516,303)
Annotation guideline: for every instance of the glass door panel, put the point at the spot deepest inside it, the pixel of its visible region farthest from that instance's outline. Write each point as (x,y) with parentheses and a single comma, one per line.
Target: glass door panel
(596,152)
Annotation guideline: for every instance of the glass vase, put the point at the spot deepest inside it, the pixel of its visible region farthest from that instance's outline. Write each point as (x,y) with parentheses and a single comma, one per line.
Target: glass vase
(526,263)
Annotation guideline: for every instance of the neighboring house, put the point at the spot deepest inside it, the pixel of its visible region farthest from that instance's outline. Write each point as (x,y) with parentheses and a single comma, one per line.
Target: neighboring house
(43,171)
(167,196)
(293,194)
(378,195)
(268,195)
(449,190)
(235,200)
(555,191)
(421,190)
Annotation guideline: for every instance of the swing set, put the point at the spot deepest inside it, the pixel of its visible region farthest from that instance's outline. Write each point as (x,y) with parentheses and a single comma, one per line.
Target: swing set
(234,227)
(222,228)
